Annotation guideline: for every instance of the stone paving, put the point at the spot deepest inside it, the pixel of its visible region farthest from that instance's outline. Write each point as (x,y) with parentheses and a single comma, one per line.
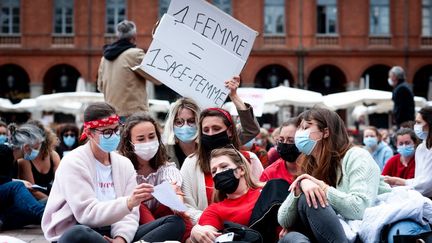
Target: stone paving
(30,234)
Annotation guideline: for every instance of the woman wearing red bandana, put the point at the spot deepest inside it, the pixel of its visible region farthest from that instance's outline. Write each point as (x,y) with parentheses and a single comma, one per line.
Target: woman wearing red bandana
(94,197)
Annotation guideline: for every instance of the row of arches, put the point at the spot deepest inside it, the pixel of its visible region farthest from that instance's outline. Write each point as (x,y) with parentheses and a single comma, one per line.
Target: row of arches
(15,82)
(327,79)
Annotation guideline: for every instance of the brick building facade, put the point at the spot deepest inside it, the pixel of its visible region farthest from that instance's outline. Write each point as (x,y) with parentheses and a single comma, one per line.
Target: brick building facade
(308,49)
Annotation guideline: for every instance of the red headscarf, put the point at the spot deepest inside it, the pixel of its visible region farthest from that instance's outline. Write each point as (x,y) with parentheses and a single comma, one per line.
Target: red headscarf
(99,123)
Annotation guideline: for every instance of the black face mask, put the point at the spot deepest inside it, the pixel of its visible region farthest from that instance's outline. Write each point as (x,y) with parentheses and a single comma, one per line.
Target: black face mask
(288,152)
(226,181)
(210,142)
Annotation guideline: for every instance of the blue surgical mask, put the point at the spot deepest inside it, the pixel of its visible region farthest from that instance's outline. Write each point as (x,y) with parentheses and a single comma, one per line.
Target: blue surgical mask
(418,130)
(406,150)
(249,144)
(3,139)
(185,133)
(370,142)
(303,142)
(69,140)
(109,144)
(32,155)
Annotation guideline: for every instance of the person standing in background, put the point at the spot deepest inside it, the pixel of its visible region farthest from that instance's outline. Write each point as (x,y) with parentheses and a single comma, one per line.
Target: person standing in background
(403,97)
(124,89)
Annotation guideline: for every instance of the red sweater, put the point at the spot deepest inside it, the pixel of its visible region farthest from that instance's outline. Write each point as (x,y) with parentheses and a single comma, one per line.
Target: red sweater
(394,167)
(277,170)
(237,210)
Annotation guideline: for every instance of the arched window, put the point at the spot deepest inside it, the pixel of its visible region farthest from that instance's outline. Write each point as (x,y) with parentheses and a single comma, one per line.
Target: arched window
(115,13)
(163,7)
(63,17)
(427,18)
(274,17)
(9,17)
(327,21)
(224,5)
(379,17)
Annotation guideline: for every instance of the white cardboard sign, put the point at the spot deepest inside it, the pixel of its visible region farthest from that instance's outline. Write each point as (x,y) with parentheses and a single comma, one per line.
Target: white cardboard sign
(190,64)
(214,24)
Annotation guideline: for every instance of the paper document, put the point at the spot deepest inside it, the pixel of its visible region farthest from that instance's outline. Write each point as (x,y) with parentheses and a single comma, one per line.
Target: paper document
(166,195)
(40,188)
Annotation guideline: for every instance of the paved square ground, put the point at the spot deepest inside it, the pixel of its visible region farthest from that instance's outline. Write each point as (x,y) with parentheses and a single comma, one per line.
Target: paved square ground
(31,234)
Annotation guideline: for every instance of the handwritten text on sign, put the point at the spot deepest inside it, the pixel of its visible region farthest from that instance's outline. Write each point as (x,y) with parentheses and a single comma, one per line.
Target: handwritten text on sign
(217,26)
(189,64)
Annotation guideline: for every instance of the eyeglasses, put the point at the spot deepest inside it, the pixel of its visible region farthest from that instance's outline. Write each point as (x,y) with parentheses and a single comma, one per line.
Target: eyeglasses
(179,122)
(107,133)
(69,135)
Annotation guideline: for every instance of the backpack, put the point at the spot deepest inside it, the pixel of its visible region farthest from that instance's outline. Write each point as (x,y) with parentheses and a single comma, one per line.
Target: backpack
(242,233)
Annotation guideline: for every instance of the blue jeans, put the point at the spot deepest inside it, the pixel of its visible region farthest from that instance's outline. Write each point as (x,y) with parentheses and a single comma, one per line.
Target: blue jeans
(319,225)
(406,227)
(168,228)
(18,207)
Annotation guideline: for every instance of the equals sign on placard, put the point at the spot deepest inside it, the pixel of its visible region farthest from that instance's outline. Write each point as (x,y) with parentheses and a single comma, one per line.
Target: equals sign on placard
(197,47)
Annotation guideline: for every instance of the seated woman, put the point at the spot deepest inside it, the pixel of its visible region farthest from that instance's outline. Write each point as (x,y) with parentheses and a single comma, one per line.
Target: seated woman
(141,142)
(235,195)
(402,165)
(285,167)
(18,207)
(215,130)
(39,166)
(68,136)
(181,132)
(95,196)
(379,150)
(338,179)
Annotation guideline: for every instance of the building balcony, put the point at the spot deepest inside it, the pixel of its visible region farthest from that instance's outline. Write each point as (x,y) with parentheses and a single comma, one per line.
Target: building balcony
(272,40)
(426,41)
(62,41)
(380,40)
(326,40)
(10,40)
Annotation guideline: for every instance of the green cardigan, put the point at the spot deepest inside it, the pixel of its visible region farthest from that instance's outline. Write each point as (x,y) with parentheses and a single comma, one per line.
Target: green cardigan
(361,183)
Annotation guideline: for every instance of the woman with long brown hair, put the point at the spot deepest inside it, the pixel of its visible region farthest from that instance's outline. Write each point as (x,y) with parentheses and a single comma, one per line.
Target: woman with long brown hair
(337,178)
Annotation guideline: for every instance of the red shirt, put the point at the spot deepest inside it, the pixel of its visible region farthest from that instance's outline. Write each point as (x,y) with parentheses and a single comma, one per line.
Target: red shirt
(237,210)
(394,167)
(277,170)
(209,187)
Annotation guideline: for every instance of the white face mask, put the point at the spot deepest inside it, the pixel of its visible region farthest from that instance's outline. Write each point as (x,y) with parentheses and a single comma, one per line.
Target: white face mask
(390,81)
(147,151)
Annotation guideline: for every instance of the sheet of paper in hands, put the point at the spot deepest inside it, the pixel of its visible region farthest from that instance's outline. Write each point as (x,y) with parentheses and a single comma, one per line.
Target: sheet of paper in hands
(166,195)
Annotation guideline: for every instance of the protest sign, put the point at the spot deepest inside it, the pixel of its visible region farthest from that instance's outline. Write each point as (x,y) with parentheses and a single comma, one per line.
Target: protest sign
(189,62)
(214,24)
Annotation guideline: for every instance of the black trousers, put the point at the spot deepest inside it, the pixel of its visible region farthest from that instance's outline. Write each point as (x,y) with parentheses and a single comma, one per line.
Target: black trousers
(170,227)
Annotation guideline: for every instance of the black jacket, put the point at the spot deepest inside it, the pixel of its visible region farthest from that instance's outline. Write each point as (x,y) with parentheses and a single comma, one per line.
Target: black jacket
(403,98)
(264,214)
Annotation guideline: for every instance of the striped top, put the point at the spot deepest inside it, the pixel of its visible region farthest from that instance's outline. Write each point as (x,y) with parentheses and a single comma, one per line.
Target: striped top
(167,172)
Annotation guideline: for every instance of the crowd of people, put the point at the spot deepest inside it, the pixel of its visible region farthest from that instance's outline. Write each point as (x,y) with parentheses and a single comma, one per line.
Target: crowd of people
(307,180)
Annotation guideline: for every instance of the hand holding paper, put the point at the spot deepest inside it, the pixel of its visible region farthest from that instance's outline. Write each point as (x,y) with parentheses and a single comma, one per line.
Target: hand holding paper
(166,195)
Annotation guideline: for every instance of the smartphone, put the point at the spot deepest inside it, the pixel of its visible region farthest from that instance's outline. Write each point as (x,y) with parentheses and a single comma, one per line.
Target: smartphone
(225,237)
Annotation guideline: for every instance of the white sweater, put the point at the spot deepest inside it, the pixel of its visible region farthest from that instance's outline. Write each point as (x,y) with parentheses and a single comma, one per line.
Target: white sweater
(73,197)
(422,181)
